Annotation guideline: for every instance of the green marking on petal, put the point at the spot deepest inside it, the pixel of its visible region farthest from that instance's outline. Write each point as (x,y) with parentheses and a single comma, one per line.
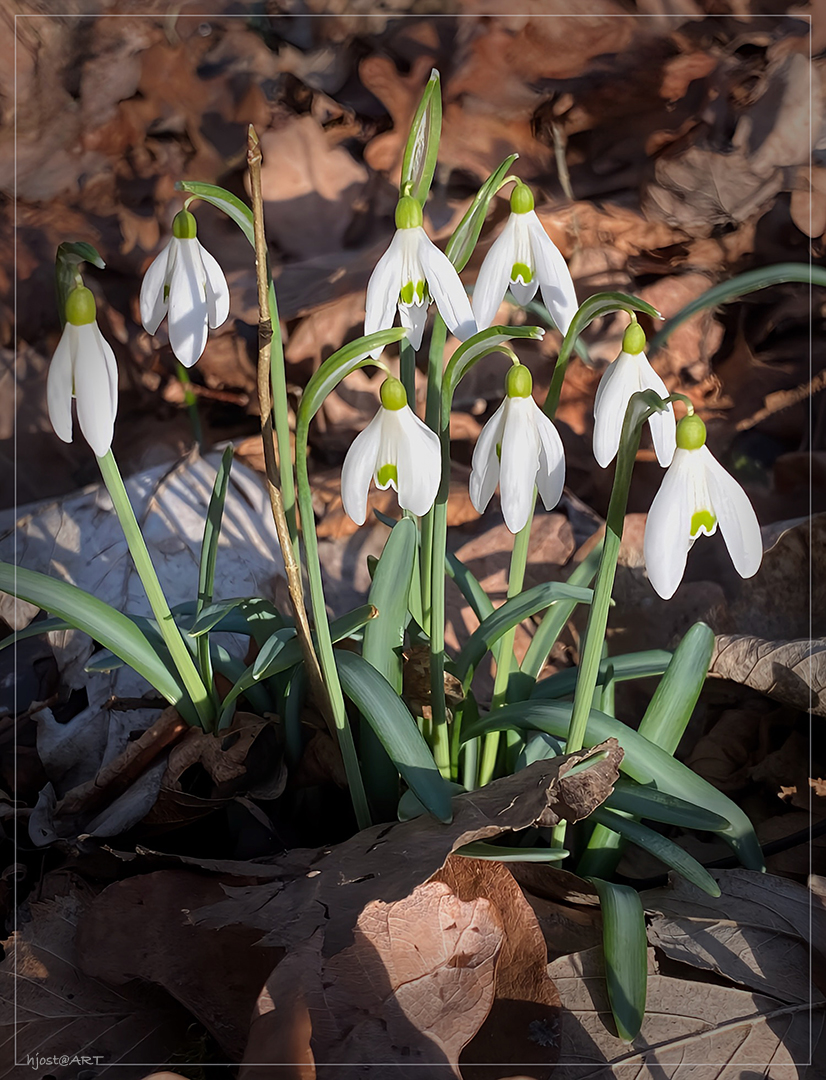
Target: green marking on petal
(407,292)
(387,474)
(499,451)
(165,293)
(523,271)
(702,519)
(420,287)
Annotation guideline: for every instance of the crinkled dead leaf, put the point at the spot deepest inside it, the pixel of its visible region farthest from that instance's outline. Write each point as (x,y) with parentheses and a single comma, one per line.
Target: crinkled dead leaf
(56,1008)
(759,933)
(793,672)
(690,1028)
(139,929)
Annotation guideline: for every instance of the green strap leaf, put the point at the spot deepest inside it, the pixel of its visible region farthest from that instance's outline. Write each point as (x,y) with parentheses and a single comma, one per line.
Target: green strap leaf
(212,532)
(397,731)
(224,200)
(647,802)
(236,616)
(460,246)
(114,630)
(639,665)
(422,149)
(625,946)
(35,629)
(643,761)
(670,709)
(735,288)
(510,614)
(481,849)
(659,846)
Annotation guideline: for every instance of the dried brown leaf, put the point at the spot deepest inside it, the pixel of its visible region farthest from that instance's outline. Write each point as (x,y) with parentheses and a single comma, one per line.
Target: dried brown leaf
(793,672)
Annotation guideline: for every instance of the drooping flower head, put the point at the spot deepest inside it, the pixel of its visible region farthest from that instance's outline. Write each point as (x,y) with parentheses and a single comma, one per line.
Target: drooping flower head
(411,272)
(519,447)
(696,495)
(187,282)
(396,450)
(524,257)
(628,374)
(83,367)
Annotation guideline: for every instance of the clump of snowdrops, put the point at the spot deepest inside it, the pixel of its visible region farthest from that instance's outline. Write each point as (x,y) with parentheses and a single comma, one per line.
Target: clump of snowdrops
(397,762)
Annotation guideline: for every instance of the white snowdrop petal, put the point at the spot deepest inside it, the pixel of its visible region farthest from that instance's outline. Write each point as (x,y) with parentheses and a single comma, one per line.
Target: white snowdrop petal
(153,304)
(555,281)
(418,462)
(523,294)
(188,313)
(667,530)
(59,384)
(383,290)
(484,475)
(494,275)
(519,464)
(446,288)
(663,424)
(111,371)
(93,390)
(735,514)
(359,466)
(217,290)
(620,381)
(414,317)
(550,480)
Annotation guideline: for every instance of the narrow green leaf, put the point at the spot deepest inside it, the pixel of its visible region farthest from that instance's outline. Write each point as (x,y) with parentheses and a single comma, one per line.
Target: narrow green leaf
(670,709)
(460,246)
(659,846)
(114,630)
(387,714)
(212,532)
(625,946)
(648,802)
(382,649)
(510,614)
(481,849)
(224,200)
(640,665)
(247,609)
(762,278)
(338,366)
(35,629)
(553,623)
(422,149)
(470,352)
(643,761)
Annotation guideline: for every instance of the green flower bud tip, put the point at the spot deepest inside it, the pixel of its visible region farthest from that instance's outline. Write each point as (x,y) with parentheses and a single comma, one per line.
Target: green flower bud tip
(80,307)
(408,213)
(184,226)
(393,394)
(521,199)
(691,433)
(518,382)
(633,340)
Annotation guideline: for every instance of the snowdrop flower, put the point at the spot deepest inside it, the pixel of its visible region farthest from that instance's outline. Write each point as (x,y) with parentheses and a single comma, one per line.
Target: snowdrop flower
(524,257)
(518,447)
(186,281)
(410,272)
(629,374)
(696,494)
(83,367)
(396,450)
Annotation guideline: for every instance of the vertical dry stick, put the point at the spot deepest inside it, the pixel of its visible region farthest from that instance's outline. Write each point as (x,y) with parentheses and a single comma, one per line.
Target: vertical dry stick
(265,333)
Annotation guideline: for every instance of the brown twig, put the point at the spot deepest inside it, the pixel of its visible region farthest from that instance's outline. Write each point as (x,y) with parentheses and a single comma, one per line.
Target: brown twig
(784,399)
(114,778)
(265,334)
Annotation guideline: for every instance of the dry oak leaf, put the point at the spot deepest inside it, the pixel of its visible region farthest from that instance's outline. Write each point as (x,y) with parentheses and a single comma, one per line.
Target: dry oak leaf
(792,672)
(55,1009)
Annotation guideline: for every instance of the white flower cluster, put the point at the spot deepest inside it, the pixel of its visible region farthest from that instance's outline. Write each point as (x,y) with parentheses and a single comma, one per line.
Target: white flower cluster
(518,450)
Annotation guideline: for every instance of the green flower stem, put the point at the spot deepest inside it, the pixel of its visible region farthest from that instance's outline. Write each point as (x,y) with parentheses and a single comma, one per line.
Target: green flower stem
(407,371)
(281,417)
(516,579)
(435,364)
(440,740)
(324,643)
(181,656)
(639,409)
(191,402)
